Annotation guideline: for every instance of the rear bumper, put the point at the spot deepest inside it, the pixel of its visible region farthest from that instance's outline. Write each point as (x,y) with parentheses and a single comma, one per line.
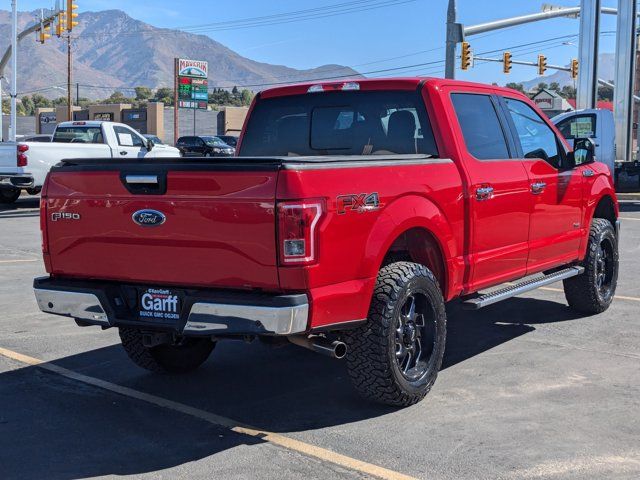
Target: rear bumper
(16,180)
(204,312)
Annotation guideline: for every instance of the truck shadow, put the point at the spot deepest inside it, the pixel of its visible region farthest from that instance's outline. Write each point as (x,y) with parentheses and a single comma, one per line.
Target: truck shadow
(56,428)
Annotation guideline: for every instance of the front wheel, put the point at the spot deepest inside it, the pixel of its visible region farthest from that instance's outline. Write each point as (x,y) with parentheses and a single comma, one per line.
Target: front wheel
(593,291)
(184,355)
(9,195)
(394,358)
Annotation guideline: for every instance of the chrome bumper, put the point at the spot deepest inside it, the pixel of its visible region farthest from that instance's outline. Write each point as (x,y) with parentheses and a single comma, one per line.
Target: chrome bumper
(213,318)
(204,318)
(16,180)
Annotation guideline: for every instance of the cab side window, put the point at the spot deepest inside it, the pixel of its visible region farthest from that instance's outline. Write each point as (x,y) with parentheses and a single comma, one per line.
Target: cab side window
(579,126)
(481,129)
(536,137)
(127,137)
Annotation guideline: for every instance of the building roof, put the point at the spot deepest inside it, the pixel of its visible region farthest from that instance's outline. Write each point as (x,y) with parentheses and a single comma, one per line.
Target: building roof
(604,105)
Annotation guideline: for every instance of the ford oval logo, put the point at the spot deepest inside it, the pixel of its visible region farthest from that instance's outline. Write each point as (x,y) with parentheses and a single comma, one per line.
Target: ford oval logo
(149,218)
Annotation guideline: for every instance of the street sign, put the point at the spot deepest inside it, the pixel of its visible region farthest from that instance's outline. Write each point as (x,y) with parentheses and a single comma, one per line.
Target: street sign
(193,86)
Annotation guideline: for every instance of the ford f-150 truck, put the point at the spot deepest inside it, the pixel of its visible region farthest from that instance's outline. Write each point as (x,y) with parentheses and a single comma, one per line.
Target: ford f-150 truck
(82,139)
(353,212)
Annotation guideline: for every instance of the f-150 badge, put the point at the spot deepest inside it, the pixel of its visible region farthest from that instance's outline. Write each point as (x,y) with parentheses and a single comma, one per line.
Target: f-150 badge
(362,202)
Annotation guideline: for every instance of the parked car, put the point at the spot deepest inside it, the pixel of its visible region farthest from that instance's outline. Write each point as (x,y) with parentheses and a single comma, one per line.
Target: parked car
(204,146)
(353,213)
(83,139)
(154,138)
(229,140)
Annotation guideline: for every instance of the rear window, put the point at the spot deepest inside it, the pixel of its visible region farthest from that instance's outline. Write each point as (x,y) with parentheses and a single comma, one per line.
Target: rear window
(339,123)
(78,135)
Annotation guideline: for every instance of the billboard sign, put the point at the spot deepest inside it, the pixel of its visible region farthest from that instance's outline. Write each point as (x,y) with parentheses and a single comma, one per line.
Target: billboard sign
(193,86)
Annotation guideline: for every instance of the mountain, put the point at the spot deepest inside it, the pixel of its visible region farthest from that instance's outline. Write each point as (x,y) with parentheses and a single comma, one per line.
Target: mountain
(606,68)
(114,50)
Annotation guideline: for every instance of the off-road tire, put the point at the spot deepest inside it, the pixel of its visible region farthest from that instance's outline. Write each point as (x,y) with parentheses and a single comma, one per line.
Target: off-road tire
(582,292)
(9,195)
(179,358)
(371,353)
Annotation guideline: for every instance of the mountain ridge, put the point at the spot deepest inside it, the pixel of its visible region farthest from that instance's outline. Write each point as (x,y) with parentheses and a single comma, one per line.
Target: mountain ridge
(113,51)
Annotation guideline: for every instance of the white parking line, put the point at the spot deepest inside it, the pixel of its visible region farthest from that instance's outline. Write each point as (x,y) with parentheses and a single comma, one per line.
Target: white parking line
(237,427)
(21,260)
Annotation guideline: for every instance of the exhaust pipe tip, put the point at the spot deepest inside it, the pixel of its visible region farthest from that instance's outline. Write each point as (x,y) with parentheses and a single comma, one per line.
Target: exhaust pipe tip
(333,349)
(339,349)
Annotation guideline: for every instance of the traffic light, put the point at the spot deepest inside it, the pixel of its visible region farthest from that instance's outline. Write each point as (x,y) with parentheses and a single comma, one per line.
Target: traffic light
(465,57)
(71,15)
(44,33)
(542,64)
(574,68)
(60,24)
(506,62)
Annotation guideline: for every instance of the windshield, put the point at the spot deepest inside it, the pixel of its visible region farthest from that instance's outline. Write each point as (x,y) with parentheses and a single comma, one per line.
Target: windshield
(78,135)
(214,142)
(340,123)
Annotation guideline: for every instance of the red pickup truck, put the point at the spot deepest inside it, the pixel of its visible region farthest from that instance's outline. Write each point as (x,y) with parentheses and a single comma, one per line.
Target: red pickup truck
(353,212)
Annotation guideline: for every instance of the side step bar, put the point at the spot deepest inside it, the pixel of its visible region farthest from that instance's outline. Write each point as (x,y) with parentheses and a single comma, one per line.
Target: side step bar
(513,290)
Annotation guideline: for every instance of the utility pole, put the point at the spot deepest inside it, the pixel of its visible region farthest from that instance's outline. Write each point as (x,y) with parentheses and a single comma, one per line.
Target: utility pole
(14,67)
(587,93)
(624,72)
(454,36)
(175,100)
(69,58)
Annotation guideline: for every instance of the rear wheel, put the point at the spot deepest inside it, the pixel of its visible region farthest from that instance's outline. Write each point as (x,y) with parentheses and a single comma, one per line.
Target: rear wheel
(184,355)
(394,358)
(9,194)
(593,291)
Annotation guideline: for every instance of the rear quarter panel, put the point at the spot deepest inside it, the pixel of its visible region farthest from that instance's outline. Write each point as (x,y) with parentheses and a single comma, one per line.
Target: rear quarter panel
(353,244)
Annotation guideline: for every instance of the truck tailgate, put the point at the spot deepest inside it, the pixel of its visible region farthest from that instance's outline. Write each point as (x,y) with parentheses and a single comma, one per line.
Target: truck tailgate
(105,221)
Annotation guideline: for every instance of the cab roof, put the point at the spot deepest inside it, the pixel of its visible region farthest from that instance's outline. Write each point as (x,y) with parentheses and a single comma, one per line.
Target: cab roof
(398,83)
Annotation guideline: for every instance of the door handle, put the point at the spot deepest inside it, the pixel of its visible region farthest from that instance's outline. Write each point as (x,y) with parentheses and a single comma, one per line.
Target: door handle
(484,193)
(538,187)
(123,152)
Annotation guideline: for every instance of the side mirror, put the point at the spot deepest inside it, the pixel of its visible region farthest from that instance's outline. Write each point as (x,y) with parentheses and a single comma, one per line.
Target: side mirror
(583,151)
(150,145)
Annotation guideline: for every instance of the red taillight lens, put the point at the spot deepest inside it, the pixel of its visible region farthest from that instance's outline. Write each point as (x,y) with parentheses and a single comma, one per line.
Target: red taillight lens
(297,231)
(43,224)
(22,158)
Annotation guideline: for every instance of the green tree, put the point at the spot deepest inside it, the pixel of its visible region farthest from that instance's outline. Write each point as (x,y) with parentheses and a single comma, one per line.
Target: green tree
(234,91)
(164,95)
(605,93)
(555,86)
(40,101)
(515,86)
(542,86)
(29,106)
(568,91)
(246,96)
(143,93)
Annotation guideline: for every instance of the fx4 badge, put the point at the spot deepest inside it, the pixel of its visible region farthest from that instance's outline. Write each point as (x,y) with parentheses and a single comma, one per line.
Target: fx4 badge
(363,202)
(64,216)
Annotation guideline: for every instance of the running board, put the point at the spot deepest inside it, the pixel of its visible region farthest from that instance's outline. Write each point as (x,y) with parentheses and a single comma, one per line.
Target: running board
(518,288)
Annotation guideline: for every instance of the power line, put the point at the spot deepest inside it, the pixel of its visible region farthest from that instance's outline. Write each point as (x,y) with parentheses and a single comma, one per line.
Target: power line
(300,15)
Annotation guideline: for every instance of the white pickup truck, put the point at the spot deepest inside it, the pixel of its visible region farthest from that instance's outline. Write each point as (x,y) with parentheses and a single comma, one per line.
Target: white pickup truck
(13,176)
(83,139)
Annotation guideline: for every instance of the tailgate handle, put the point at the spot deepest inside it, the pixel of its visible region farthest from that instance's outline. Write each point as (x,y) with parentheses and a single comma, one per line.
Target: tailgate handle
(144,184)
(141,179)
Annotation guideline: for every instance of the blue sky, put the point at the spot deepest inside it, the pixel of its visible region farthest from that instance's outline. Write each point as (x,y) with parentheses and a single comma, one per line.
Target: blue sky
(367,40)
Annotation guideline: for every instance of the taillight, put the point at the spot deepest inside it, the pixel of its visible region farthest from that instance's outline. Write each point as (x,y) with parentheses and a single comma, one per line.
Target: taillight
(297,231)
(22,158)
(44,214)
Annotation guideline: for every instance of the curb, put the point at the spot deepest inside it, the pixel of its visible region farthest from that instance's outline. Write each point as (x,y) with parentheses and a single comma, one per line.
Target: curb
(629,196)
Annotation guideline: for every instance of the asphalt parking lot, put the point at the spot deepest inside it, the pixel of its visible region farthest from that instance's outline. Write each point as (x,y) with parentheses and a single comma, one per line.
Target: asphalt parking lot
(528,390)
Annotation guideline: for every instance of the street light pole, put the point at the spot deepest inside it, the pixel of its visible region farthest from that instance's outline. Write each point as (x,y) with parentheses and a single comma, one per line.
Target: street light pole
(14,67)
(451,41)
